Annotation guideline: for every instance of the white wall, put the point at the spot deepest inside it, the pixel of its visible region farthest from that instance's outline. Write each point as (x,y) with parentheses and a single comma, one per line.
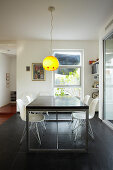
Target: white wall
(13,73)
(7,65)
(103,34)
(29,52)
(4,68)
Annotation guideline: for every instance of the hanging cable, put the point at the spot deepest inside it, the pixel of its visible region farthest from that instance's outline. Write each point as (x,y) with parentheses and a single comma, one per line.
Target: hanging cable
(51,45)
(51,63)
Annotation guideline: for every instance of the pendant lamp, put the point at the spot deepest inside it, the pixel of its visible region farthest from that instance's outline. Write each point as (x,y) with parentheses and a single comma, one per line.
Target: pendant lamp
(51,63)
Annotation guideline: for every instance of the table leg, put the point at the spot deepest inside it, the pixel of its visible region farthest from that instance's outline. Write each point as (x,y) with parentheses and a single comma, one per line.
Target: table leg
(27,130)
(57,127)
(87,118)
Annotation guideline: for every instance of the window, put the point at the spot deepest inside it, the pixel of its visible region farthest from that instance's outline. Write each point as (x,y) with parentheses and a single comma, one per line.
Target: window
(68,79)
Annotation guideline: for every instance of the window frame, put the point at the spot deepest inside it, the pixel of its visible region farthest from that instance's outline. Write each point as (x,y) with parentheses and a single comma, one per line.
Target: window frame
(81,51)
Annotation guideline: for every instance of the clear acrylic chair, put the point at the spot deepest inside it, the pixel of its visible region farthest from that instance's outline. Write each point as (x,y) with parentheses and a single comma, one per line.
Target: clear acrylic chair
(34,119)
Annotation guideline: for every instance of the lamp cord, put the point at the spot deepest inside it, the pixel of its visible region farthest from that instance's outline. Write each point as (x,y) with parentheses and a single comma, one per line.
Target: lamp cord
(51,32)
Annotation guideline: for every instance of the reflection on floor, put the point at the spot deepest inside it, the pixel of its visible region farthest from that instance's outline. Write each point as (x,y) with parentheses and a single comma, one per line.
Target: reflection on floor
(99,157)
(66,139)
(6,112)
(49,137)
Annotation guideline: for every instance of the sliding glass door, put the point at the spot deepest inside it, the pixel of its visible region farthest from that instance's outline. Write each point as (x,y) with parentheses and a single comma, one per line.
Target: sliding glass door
(108,78)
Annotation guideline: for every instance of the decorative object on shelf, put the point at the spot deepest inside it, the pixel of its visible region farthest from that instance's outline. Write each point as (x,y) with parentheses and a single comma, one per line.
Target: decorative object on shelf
(7,80)
(95,94)
(96,84)
(91,61)
(38,73)
(97,59)
(27,68)
(51,63)
(96,76)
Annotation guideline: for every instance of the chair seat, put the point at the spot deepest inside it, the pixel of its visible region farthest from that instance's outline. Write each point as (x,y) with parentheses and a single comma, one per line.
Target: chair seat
(35,117)
(79,115)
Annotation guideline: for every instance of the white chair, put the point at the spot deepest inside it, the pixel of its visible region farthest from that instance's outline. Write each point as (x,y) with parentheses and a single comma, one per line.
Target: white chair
(86,99)
(33,119)
(80,118)
(29,100)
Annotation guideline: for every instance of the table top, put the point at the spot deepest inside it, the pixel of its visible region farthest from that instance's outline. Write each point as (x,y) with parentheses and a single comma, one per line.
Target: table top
(57,102)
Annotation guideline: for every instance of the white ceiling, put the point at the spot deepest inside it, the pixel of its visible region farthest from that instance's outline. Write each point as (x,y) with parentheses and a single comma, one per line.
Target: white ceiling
(73,19)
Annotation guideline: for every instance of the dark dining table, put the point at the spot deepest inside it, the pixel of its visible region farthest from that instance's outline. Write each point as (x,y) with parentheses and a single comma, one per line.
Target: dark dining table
(57,104)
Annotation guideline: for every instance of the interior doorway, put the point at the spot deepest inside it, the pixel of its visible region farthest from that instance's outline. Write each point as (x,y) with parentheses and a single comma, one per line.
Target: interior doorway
(7,81)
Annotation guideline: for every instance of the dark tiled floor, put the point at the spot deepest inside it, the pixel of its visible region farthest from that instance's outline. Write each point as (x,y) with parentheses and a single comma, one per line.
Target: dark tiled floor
(14,157)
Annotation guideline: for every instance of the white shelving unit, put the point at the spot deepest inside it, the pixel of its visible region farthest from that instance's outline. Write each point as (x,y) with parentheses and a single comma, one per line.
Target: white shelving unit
(95,87)
(95,83)
(13,97)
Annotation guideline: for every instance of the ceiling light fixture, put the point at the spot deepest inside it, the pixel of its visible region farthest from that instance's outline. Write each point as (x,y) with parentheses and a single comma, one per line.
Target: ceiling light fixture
(51,63)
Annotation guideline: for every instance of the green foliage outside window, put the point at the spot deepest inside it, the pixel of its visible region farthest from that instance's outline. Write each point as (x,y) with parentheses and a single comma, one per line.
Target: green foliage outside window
(68,78)
(60,92)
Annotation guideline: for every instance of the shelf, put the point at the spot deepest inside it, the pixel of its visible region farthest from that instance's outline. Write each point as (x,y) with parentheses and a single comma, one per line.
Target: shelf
(96,74)
(13,96)
(97,62)
(94,98)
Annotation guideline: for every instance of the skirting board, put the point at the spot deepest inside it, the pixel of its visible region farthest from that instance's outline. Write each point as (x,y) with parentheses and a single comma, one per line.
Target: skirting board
(108,123)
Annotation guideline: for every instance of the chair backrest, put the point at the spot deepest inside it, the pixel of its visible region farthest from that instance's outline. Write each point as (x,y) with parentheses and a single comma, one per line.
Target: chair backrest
(86,99)
(29,99)
(92,108)
(22,109)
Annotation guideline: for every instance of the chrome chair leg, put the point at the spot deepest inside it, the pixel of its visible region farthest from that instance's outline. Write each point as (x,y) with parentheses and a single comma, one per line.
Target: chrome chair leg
(47,113)
(79,124)
(37,131)
(23,134)
(82,123)
(43,124)
(35,135)
(76,134)
(90,130)
(75,125)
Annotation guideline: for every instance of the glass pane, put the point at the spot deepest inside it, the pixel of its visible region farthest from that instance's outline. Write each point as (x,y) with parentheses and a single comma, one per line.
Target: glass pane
(108,79)
(68,58)
(67,76)
(67,91)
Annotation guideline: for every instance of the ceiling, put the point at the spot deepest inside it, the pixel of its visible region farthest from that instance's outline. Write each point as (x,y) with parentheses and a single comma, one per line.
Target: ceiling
(73,19)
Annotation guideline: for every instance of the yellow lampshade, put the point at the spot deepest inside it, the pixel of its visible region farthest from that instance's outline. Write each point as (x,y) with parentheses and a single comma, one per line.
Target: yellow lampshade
(50,63)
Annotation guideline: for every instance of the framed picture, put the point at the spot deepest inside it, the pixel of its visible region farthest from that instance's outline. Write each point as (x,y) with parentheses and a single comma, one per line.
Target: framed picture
(38,72)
